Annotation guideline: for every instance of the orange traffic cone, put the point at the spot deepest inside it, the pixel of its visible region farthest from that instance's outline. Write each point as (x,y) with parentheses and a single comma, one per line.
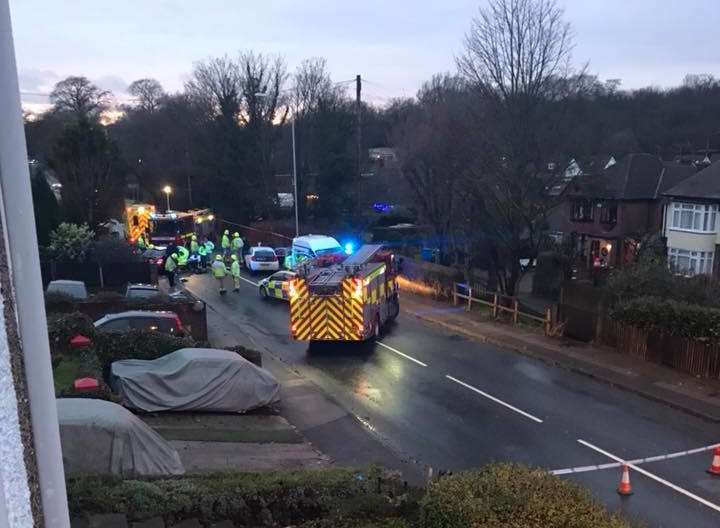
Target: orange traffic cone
(624,488)
(714,468)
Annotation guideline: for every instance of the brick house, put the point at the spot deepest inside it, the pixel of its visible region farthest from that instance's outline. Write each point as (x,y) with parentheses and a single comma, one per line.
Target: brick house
(607,215)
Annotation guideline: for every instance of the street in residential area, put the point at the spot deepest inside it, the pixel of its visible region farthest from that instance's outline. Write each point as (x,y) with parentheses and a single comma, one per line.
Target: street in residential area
(447,402)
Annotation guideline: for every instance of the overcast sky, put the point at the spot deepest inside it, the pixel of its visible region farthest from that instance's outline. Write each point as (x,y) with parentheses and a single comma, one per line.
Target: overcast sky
(394,44)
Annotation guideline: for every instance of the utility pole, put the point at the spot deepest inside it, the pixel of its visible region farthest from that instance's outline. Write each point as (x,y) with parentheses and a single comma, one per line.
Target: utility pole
(32,480)
(358,138)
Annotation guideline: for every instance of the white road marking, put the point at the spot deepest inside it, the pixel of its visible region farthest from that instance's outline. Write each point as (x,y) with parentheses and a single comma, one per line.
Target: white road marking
(658,458)
(652,476)
(249,281)
(493,398)
(391,349)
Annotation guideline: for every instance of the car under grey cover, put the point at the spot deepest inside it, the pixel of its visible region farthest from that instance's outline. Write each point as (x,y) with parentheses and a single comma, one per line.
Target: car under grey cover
(194,379)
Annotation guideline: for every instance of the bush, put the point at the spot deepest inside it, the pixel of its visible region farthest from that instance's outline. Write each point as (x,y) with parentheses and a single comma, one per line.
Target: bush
(71,242)
(63,327)
(59,302)
(512,496)
(253,356)
(668,316)
(136,344)
(249,499)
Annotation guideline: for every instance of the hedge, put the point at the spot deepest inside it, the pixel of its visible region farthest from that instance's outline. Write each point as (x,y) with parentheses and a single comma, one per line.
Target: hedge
(135,344)
(63,327)
(340,497)
(512,496)
(668,316)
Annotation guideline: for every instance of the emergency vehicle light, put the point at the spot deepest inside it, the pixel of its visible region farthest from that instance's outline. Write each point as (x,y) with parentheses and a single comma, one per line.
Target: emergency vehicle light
(357,294)
(292,292)
(349,248)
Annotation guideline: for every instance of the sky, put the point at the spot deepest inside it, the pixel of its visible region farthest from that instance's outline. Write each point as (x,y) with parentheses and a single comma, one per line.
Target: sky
(394,44)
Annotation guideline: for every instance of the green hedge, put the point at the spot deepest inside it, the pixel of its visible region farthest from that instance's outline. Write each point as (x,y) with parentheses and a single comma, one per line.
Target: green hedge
(280,498)
(63,327)
(672,317)
(135,344)
(512,496)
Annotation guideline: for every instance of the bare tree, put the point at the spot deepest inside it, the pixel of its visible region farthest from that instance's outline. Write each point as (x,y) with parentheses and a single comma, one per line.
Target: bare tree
(216,82)
(148,94)
(313,86)
(517,59)
(261,80)
(79,97)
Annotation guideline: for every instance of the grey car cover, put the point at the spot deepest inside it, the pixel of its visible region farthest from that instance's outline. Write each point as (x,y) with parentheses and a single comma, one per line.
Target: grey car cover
(103,438)
(194,379)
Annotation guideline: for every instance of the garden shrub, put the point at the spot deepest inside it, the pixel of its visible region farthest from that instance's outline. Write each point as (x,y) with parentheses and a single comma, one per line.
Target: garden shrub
(71,242)
(668,316)
(512,496)
(63,327)
(135,344)
(59,302)
(253,356)
(249,499)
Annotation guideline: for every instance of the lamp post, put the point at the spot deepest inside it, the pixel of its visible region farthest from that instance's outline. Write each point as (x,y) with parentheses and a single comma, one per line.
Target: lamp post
(294,160)
(167,190)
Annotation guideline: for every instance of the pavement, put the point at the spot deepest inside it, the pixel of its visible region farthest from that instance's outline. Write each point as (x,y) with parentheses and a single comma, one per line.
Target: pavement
(429,394)
(693,395)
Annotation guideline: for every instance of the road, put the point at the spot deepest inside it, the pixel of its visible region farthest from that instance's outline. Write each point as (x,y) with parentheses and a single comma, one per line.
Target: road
(453,403)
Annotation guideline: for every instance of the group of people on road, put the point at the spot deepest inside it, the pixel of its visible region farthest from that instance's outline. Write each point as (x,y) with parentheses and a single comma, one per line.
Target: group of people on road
(197,254)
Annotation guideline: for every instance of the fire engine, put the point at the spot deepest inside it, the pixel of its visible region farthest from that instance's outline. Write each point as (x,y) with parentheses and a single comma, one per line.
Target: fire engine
(169,227)
(344,300)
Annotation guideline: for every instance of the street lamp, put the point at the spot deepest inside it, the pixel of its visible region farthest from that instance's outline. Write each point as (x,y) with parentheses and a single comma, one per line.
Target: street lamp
(295,189)
(167,190)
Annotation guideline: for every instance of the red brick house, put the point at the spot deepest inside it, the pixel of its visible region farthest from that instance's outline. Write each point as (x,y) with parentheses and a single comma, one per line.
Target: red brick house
(607,215)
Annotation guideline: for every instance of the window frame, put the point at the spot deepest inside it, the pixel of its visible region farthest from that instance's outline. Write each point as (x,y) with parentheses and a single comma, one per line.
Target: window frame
(605,216)
(702,217)
(698,262)
(579,205)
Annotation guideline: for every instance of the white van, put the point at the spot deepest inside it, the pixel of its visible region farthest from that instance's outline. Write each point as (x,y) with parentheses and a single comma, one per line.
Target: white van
(311,246)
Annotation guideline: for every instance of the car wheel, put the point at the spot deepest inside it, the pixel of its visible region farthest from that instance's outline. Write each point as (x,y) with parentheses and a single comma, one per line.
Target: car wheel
(376,328)
(263,293)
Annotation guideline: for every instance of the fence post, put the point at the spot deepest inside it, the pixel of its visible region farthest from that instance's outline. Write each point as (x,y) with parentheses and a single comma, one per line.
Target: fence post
(515,311)
(469,306)
(495,305)
(455,293)
(548,320)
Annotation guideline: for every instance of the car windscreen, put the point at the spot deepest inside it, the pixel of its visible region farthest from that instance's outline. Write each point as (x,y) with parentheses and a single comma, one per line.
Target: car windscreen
(328,251)
(165,228)
(141,293)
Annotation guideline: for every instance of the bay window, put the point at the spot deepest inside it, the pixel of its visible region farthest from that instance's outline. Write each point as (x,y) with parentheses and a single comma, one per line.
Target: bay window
(699,218)
(688,262)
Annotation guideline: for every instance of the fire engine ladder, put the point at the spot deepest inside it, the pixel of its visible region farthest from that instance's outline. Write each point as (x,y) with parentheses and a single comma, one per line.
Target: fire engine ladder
(362,255)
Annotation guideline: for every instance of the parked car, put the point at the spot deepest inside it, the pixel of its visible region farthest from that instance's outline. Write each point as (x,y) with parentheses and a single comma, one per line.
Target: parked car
(194,379)
(141,291)
(261,258)
(103,438)
(155,256)
(72,288)
(276,285)
(153,321)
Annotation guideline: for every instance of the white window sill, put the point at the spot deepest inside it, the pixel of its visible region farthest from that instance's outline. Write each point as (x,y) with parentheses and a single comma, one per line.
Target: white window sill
(713,233)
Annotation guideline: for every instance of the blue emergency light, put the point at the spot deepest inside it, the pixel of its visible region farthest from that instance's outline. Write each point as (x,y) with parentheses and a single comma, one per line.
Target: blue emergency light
(349,248)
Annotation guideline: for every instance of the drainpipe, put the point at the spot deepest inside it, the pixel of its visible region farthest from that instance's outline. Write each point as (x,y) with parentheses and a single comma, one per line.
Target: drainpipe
(32,480)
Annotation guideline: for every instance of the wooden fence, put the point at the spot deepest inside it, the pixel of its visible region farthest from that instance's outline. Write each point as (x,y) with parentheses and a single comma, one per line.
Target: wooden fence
(500,304)
(699,357)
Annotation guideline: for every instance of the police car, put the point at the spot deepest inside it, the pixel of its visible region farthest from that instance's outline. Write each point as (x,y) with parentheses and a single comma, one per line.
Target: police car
(276,285)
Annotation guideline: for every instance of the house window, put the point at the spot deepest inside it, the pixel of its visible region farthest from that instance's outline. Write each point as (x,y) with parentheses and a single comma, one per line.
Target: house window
(688,262)
(608,213)
(582,211)
(693,217)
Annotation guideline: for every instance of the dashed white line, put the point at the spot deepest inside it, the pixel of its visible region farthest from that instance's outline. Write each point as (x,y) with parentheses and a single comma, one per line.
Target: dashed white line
(391,349)
(493,398)
(652,476)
